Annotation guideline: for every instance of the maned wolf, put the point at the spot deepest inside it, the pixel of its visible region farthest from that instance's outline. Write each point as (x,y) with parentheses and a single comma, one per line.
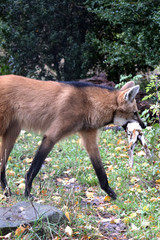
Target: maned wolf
(58,109)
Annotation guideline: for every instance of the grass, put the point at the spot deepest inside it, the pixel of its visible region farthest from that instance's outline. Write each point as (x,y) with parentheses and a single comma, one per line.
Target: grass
(67,181)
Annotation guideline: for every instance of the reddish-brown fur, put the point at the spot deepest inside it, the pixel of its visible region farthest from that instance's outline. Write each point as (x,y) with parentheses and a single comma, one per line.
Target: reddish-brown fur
(56,110)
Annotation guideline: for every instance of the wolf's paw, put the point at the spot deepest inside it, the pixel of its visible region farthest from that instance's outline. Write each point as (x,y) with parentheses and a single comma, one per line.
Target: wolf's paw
(111,193)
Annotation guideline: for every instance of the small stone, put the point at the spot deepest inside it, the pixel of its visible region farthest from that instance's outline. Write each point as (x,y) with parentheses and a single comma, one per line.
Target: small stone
(27,213)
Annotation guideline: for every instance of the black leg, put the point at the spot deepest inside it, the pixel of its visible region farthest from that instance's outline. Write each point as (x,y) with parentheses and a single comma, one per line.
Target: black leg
(38,160)
(89,139)
(102,177)
(8,140)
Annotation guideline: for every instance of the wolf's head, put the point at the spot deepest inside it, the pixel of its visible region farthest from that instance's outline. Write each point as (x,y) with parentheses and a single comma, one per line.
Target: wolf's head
(127,110)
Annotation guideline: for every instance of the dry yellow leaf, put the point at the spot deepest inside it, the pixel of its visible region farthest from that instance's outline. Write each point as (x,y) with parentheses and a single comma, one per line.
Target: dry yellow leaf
(124,155)
(113,207)
(118,149)
(21,230)
(145,208)
(17,192)
(110,168)
(113,221)
(107,199)
(120,141)
(158,235)
(110,144)
(67,216)
(151,218)
(126,220)
(158,181)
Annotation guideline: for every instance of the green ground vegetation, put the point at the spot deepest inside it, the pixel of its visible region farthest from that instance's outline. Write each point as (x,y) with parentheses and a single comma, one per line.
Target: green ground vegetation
(67,181)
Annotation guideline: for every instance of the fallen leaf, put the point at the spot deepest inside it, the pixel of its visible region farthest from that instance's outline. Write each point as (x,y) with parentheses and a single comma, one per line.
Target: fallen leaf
(67,216)
(44,192)
(27,160)
(158,181)
(21,186)
(114,221)
(132,215)
(85,237)
(154,199)
(151,218)
(126,220)
(124,155)
(133,227)
(118,149)
(107,199)
(20,181)
(110,168)
(113,207)
(49,159)
(21,230)
(10,173)
(10,158)
(141,153)
(120,141)
(68,231)
(89,194)
(145,208)
(110,144)
(17,192)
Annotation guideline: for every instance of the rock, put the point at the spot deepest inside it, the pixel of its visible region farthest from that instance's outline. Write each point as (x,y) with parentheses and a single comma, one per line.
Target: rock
(27,213)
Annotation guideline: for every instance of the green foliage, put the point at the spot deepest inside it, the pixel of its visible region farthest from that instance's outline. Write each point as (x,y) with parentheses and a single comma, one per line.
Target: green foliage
(67,40)
(153,94)
(44,38)
(126,35)
(124,79)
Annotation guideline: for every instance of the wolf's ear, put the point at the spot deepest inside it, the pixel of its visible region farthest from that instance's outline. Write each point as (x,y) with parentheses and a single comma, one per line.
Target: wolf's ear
(131,93)
(128,85)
